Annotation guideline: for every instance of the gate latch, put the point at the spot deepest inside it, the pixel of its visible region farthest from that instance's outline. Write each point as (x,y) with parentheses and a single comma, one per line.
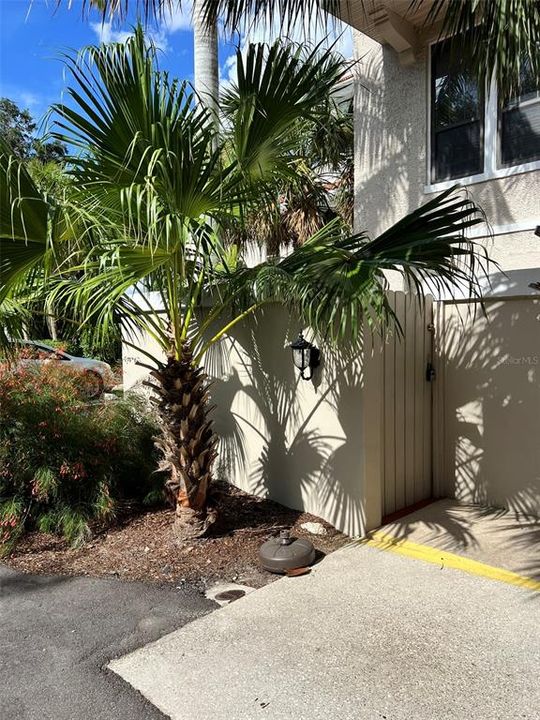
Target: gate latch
(430,372)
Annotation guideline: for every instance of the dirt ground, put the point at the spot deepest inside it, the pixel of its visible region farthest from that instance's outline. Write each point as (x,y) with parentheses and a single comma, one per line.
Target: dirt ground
(142,547)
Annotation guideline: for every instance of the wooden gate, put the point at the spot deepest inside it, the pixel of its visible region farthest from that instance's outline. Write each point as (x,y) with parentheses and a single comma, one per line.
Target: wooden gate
(407,413)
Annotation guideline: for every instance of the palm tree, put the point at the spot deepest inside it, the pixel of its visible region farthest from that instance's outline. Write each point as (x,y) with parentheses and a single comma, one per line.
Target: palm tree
(205,38)
(206,57)
(500,36)
(156,182)
(318,188)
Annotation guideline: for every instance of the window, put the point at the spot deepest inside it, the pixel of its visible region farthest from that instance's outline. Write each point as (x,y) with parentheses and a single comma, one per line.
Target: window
(457,119)
(519,123)
(476,135)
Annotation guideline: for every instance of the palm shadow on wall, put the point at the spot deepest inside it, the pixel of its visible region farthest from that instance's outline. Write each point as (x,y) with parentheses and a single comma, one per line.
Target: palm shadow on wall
(493,405)
(273,441)
(492,413)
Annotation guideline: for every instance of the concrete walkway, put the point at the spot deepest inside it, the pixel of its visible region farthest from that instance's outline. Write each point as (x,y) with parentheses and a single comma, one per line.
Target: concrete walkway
(368,634)
(499,538)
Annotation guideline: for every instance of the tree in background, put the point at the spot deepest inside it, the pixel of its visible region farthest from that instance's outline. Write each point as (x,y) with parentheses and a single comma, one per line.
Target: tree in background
(17,128)
(44,159)
(318,188)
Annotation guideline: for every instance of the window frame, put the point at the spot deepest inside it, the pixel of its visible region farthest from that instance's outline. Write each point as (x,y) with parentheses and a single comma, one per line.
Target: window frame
(491,143)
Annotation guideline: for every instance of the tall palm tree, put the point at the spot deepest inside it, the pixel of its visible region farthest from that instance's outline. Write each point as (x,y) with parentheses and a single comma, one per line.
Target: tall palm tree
(155,183)
(205,58)
(205,32)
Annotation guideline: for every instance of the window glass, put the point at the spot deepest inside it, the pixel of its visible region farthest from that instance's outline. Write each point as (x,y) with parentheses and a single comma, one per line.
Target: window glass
(519,123)
(457,118)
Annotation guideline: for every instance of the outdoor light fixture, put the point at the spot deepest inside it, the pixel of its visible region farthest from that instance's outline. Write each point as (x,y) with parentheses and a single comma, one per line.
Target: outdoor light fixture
(305,356)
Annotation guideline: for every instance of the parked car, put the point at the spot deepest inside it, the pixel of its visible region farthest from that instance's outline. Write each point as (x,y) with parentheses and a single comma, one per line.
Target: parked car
(97,374)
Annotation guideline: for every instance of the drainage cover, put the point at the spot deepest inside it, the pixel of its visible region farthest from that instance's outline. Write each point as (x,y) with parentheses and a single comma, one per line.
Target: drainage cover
(230,595)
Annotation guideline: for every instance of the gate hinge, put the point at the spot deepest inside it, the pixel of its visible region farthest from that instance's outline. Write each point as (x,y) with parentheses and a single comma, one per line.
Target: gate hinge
(430,372)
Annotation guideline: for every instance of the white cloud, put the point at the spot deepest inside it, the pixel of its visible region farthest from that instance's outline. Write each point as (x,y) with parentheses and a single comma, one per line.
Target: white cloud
(37,103)
(173,21)
(178,19)
(106,33)
(30,100)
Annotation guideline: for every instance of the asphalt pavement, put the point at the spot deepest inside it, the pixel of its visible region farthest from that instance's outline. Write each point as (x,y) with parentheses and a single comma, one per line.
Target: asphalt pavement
(58,633)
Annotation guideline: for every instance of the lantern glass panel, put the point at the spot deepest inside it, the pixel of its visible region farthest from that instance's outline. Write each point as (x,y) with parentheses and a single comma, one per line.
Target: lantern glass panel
(299,358)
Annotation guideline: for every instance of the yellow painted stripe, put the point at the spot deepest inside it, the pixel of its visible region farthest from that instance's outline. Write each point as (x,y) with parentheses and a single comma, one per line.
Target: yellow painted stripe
(445,559)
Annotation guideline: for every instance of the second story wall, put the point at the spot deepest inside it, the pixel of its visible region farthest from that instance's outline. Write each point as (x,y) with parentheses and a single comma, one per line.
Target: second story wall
(392,104)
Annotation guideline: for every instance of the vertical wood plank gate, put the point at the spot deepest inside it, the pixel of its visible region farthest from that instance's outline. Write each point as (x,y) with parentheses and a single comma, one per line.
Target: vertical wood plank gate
(407,412)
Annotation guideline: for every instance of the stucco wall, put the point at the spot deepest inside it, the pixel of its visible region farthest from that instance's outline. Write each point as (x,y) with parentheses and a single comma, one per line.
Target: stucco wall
(311,445)
(391,140)
(487,425)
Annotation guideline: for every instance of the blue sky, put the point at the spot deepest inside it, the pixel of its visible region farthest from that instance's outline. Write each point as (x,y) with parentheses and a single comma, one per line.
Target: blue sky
(33,34)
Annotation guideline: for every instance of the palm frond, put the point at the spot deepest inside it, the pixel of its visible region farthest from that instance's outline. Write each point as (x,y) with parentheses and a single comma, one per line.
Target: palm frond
(277,85)
(148,9)
(24,216)
(14,317)
(336,282)
(238,14)
(492,36)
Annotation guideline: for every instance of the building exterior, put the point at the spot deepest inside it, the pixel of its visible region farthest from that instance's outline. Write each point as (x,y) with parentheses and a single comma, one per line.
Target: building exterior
(452,410)
(421,127)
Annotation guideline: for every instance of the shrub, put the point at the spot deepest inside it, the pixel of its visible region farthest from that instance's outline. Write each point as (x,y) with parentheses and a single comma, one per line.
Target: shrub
(66,464)
(108,348)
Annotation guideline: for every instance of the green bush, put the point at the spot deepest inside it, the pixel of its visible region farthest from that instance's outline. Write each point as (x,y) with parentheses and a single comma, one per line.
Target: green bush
(108,348)
(67,465)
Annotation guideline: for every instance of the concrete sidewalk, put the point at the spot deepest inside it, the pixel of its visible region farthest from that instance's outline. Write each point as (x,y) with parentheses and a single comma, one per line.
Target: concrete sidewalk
(369,634)
(496,537)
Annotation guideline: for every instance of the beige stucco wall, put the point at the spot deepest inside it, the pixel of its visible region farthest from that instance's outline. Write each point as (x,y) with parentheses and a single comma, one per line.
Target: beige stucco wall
(487,424)
(311,445)
(391,140)
(487,386)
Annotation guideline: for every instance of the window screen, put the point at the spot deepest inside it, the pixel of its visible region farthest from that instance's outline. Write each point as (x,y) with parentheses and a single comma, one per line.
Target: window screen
(457,118)
(519,123)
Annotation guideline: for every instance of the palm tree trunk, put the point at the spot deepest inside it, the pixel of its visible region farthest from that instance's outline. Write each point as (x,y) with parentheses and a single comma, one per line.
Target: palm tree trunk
(187,442)
(52,326)
(206,58)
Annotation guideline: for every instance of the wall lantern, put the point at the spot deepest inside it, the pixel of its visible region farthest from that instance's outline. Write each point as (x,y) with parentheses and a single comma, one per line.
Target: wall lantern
(305,356)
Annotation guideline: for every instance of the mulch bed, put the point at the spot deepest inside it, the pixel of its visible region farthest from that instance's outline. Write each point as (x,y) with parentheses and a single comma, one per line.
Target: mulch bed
(142,546)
